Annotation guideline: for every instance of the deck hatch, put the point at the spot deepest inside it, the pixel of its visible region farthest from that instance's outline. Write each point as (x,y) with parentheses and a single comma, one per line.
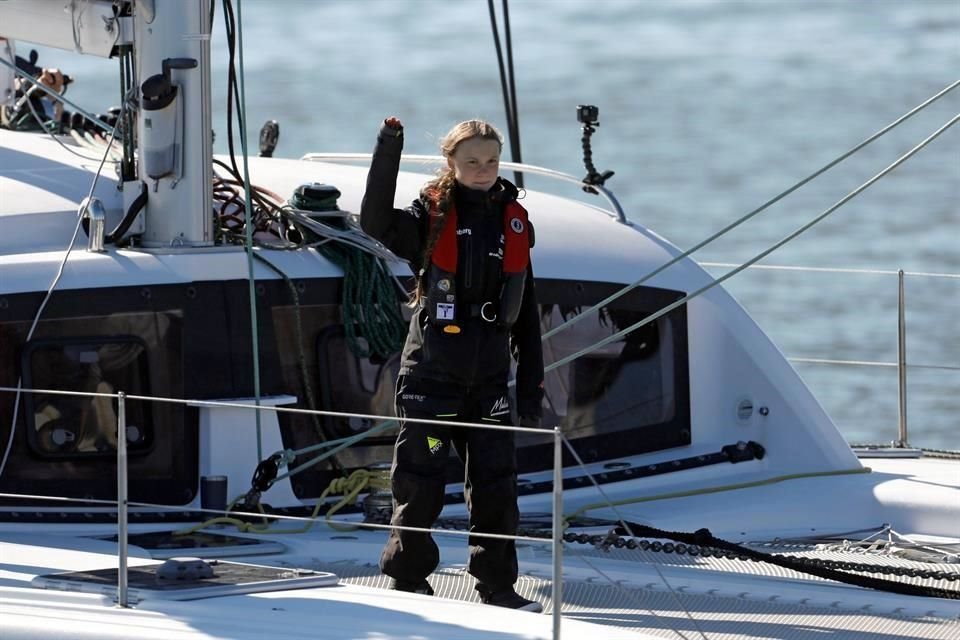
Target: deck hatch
(168,544)
(229,578)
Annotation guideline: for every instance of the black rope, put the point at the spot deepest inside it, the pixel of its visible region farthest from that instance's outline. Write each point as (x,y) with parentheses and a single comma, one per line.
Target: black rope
(699,542)
(507,86)
(703,538)
(233,88)
(515,125)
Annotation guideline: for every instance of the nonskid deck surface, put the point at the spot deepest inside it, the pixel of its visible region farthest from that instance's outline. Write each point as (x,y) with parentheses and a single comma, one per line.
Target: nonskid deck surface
(720,597)
(652,609)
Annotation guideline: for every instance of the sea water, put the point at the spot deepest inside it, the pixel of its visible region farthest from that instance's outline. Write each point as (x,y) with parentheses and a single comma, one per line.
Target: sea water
(708,108)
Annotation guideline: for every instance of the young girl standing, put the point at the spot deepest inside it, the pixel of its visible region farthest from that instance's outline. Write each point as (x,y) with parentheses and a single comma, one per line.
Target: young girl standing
(468,242)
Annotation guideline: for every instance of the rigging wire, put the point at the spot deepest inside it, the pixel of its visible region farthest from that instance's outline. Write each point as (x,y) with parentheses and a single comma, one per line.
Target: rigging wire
(507,85)
(235,39)
(554,365)
(513,125)
(76,230)
(46,298)
(36,84)
(670,307)
(41,122)
(751,214)
(623,521)
(663,311)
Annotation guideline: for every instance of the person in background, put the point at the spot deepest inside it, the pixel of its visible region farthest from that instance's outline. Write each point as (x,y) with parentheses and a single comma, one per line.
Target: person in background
(46,108)
(468,241)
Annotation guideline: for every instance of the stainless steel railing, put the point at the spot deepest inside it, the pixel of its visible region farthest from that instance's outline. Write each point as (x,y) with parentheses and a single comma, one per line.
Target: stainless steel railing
(902,440)
(513,166)
(123,503)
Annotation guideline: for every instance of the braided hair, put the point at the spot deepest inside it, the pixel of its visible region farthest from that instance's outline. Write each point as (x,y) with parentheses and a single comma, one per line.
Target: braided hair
(438,193)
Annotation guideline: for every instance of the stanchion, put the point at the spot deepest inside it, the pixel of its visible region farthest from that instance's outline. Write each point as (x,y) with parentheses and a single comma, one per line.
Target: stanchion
(901,362)
(557,530)
(122,498)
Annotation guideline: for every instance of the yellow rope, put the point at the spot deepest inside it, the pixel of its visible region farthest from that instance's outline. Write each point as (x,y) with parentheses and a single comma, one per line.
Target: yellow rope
(729,487)
(351,486)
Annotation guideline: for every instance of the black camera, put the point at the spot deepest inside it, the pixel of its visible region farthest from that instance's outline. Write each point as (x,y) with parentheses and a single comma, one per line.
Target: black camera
(588,113)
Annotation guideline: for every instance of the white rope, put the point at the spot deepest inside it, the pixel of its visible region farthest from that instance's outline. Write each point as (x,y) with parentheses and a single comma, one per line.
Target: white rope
(46,298)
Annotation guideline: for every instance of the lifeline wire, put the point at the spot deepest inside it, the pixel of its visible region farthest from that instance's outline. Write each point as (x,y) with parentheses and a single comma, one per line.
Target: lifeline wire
(753,213)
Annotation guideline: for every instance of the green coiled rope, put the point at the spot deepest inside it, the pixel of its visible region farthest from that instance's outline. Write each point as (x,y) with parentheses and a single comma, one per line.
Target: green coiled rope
(371,301)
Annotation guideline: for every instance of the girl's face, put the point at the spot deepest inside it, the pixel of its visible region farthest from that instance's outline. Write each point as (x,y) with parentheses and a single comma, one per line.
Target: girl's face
(476,163)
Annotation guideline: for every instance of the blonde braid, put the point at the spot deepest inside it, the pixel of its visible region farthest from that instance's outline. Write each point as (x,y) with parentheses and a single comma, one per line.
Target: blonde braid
(438,193)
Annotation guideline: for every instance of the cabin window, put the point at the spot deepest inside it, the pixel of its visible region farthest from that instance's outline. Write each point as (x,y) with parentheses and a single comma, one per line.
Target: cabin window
(72,426)
(140,337)
(627,397)
(324,371)
(623,385)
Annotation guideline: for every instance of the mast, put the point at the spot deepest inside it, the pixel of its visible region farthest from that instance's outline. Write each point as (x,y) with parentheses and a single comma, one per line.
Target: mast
(171,48)
(174,132)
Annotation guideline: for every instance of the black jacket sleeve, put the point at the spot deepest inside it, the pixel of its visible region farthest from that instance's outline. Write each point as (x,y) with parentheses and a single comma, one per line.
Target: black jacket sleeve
(400,230)
(528,351)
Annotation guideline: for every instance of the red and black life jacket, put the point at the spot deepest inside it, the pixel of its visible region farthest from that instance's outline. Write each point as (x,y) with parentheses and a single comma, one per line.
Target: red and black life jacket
(441,295)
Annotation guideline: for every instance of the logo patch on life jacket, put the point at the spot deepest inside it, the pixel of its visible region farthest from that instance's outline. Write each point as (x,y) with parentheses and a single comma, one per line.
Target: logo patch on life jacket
(444,311)
(434,444)
(517,225)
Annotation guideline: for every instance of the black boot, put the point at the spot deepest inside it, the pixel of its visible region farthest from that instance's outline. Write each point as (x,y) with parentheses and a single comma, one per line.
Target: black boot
(507,597)
(411,586)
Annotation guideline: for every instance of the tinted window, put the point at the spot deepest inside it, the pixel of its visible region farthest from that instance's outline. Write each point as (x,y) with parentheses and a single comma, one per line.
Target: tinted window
(627,397)
(69,425)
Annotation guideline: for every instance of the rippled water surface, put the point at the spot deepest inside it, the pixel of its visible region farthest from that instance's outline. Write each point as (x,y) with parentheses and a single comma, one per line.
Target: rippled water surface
(708,108)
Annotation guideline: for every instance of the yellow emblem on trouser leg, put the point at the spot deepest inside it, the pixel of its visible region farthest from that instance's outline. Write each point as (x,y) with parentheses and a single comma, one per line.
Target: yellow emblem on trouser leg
(434,444)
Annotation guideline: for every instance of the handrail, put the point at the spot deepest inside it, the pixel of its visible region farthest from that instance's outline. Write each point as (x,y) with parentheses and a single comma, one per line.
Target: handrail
(870,363)
(901,363)
(514,166)
(880,272)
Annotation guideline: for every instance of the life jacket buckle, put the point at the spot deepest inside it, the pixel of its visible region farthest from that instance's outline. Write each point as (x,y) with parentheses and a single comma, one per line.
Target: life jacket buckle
(483,312)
